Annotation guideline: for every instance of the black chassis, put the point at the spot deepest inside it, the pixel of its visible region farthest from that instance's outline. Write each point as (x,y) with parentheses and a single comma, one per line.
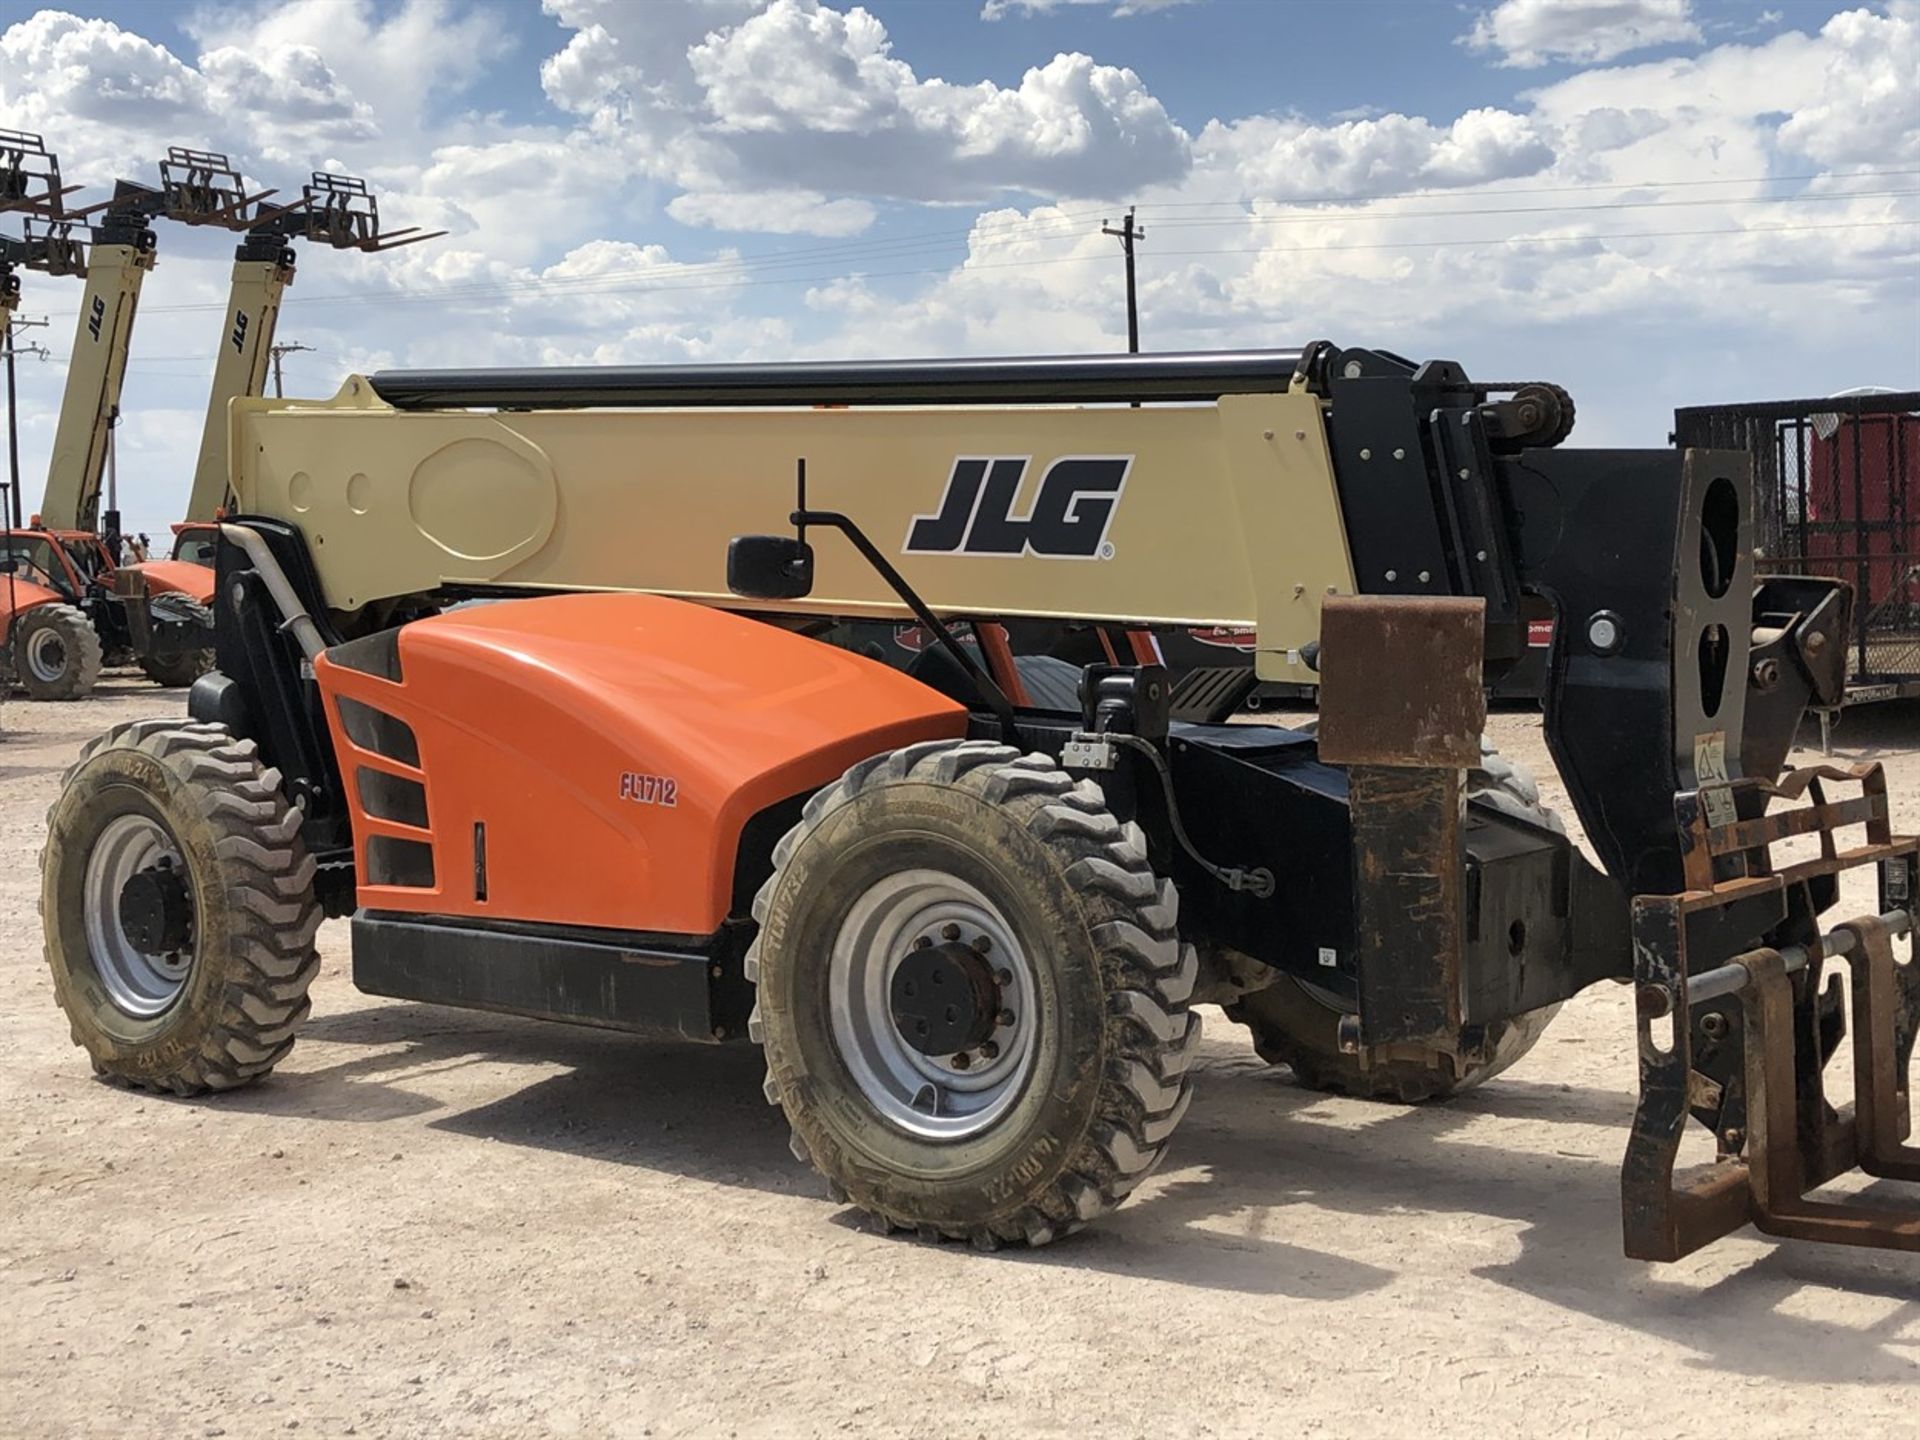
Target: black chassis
(140,624)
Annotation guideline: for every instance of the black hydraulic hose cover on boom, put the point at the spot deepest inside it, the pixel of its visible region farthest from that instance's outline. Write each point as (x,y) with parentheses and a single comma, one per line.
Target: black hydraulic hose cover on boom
(1192,377)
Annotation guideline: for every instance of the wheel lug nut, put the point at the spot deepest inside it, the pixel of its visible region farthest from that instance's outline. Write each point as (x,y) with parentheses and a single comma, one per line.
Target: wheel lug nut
(962,1060)
(983,944)
(989,1050)
(949,932)
(922,943)
(1003,976)
(1005,1017)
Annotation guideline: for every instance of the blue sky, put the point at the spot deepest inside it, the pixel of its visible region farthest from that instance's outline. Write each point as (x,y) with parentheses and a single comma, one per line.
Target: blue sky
(1655,202)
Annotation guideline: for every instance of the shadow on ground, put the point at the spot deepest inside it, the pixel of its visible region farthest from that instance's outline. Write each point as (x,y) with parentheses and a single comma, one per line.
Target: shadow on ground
(1246,1147)
(1867,732)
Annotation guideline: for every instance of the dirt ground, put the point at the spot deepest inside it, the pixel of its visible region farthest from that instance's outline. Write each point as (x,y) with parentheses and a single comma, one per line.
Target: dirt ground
(430,1224)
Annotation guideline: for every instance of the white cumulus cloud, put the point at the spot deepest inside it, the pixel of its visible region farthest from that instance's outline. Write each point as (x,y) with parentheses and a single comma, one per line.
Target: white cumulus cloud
(772,212)
(801,95)
(1120,9)
(1529,33)
(1864,108)
(1290,158)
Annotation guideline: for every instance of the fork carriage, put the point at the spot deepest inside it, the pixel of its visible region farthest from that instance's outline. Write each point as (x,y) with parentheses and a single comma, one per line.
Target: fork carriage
(1742,1046)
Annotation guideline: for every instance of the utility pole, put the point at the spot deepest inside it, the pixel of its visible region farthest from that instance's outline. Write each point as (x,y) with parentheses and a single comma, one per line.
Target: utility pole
(1126,235)
(286,347)
(17,322)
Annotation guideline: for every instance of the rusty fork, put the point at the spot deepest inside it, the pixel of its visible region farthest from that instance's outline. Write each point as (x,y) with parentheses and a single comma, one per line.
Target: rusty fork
(1792,1141)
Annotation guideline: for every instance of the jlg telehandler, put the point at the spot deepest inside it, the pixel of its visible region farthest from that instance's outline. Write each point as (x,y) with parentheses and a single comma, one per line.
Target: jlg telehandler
(82,607)
(969,931)
(70,609)
(154,612)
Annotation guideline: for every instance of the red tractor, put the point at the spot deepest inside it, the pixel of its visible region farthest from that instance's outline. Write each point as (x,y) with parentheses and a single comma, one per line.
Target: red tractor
(67,608)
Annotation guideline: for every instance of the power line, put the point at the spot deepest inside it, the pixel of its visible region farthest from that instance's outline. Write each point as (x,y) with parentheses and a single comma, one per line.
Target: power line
(1067,223)
(1501,189)
(1263,249)
(1549,239)
(1481,243)
(614,282)
(1805,197)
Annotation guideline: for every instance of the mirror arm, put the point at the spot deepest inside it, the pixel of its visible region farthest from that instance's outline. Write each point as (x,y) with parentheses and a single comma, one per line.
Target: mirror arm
(990,690)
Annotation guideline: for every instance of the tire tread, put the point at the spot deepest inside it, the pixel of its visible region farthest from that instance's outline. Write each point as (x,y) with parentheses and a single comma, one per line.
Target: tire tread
(83,642)
(268,879)
(1150,1035)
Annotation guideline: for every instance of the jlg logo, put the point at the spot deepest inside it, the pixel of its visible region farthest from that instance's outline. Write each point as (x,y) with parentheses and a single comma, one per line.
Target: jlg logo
(95,316)
(1067,520)
(239,336)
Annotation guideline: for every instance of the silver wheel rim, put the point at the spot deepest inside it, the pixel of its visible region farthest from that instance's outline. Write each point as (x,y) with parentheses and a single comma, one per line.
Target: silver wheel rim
(139,984)
(47,655)
(924,1095)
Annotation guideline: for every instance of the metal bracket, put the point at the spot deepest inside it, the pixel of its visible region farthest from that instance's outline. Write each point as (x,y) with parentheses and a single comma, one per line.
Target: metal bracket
(1089,752)
(338,210)
(1401,706)
(30,175)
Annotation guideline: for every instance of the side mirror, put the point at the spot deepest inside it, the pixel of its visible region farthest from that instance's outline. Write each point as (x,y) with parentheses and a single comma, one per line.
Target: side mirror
(769,567)
(9,567)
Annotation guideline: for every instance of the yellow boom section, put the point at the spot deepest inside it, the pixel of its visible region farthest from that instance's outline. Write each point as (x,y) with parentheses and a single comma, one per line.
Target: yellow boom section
(1227,513)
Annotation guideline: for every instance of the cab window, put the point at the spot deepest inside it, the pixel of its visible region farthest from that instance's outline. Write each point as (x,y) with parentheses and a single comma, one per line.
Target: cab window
(89,558)
(37,560)
(194,547)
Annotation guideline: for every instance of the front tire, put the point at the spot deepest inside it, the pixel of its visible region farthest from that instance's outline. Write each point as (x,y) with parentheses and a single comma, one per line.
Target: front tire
(56,653)
(178,906)
(1040,913)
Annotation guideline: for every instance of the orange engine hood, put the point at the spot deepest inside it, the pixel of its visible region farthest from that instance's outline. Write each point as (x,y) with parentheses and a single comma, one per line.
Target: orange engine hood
(176,577)
(613,747)
(18,595)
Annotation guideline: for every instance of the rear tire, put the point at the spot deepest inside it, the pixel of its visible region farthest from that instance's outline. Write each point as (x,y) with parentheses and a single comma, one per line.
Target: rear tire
(56,653)
(183,668)
(204,987)
(1050,683)
(976,843)
(1293,1026)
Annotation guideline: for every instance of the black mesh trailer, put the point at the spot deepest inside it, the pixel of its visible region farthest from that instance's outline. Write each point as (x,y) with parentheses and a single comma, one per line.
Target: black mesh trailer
(1837,493)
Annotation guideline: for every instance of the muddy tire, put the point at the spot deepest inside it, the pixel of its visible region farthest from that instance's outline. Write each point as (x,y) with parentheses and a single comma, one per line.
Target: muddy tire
(1039,912)
(56,653)
(181,669)
(177,900)
(1295,1025)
